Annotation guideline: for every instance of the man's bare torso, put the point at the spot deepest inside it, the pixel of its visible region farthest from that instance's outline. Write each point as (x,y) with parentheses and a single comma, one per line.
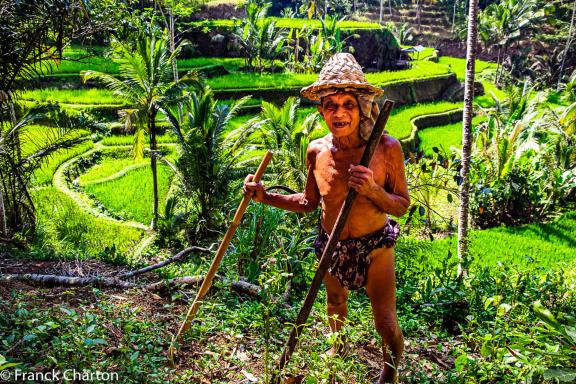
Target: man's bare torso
(331,174)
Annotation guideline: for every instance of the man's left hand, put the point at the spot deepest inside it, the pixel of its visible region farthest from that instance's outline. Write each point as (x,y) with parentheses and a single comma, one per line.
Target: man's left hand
(362,180)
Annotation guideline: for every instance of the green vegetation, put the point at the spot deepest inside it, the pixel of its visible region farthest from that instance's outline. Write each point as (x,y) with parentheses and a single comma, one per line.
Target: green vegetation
(287,23)
(130,196)
(443,137)
(35,137)
(64,227)
(546,245)
(90,96)
(117,140)
(458,65)
(420,70)
(399,124)
(509,320)
(62,336)
(107,167)
(44,174)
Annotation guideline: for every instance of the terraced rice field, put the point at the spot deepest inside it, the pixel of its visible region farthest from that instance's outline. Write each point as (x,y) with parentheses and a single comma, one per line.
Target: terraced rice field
(130,195)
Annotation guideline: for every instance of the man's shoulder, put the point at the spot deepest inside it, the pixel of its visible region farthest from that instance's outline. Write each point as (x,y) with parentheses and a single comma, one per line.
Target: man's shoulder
(318,145)
(389,143)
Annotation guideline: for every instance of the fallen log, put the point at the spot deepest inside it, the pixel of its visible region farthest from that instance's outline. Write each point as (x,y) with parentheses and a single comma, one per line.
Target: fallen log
(179,256)
(70,281)
(111,282)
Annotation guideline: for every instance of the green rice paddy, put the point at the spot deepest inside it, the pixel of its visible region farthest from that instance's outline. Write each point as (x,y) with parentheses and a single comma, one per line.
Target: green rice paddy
(546,245)
(44,174)
(108,167)
(399,124)
(130,195)
(70,228)
(73,96)
(443,137)
(458,65)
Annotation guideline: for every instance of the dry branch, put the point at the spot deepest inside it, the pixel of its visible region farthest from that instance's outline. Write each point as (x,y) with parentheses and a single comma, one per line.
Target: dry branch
(179,256)
(110,282)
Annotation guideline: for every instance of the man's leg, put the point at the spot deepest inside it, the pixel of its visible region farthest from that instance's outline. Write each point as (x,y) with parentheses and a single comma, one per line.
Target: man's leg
(337,307)
(381,288)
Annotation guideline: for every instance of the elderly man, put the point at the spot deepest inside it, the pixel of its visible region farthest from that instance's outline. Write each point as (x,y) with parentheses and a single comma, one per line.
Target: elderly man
(364,256)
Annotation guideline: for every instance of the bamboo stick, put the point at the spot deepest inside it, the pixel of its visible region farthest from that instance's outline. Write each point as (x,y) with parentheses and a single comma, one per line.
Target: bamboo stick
(207,283)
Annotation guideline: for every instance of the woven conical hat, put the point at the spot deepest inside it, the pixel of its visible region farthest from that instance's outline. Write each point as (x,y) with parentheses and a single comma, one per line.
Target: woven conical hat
(340,71)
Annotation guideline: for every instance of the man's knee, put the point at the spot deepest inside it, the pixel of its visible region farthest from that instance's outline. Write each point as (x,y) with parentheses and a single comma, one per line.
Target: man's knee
(387,326)
(336,299)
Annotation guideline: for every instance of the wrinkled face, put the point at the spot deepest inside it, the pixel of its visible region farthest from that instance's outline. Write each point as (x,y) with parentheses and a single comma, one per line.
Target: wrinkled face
(341,113)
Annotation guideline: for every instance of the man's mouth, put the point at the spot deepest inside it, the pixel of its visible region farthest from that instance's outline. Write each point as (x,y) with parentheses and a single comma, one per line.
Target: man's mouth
(340,124)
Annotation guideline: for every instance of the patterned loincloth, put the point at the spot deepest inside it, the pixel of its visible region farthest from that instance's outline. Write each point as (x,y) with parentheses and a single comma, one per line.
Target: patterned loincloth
(351,259)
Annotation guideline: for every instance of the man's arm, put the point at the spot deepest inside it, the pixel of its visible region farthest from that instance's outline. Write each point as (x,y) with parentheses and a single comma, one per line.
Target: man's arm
(393,197)
(299,202)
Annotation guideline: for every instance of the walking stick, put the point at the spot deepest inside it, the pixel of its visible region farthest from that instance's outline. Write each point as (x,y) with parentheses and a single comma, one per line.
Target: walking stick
(331,245)
(207,283)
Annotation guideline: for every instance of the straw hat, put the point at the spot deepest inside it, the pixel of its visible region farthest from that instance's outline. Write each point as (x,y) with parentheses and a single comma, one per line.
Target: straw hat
(340,71)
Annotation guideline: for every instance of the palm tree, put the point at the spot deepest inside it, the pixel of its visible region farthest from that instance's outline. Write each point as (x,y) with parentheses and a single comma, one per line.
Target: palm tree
(211,157)
(467,138)
(146,82)
(258,36)
(503,23)
(277,129)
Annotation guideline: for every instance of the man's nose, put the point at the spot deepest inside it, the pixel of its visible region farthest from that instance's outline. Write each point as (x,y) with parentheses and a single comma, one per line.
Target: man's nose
(339,111)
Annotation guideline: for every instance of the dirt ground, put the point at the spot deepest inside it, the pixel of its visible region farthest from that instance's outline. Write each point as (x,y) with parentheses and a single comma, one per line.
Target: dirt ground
(424,355)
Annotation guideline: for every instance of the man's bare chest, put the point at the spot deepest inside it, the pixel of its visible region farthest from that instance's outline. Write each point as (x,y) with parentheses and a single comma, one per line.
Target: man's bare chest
(332,173)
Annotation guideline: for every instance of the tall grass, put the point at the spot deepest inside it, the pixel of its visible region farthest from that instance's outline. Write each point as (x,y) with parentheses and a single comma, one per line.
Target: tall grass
(66,227)
(130,195)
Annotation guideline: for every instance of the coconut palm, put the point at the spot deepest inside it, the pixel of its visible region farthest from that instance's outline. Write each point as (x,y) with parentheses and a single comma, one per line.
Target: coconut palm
(146,82)
(210,156)
(503,23)
(259,38)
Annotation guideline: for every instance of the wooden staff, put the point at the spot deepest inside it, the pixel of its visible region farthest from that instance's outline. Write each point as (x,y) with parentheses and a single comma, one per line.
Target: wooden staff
(331,245)
(207,283)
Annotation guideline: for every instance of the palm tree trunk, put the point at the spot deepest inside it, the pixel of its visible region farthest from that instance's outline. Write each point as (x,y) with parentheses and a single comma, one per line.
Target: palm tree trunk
(2,216)
(568,42)
(467,139)
(153,165)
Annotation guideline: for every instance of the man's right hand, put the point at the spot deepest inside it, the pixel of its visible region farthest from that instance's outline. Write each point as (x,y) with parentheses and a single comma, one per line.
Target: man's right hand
(255,190)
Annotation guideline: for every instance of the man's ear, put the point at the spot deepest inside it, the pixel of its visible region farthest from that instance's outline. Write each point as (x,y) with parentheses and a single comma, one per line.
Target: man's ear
(320,110)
